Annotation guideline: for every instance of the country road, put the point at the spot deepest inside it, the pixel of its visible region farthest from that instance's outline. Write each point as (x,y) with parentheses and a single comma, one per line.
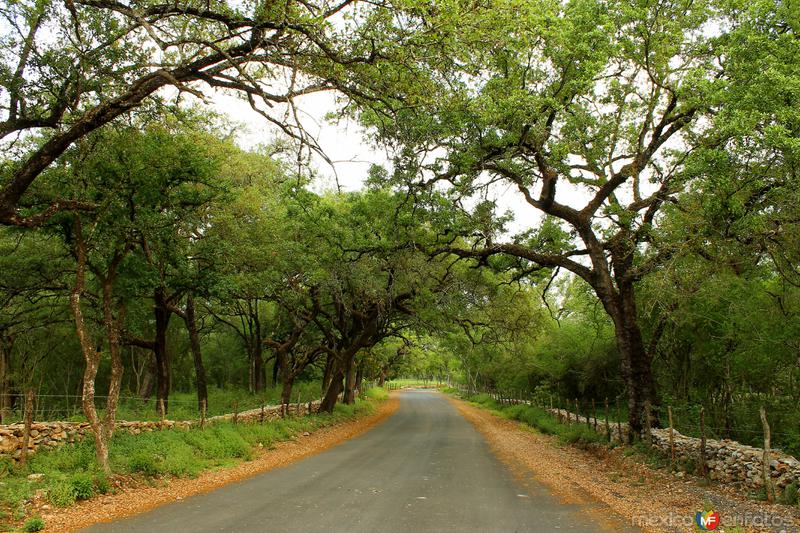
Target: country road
(424,469)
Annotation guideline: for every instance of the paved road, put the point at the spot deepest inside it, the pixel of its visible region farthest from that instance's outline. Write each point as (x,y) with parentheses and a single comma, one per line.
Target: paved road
(424,469)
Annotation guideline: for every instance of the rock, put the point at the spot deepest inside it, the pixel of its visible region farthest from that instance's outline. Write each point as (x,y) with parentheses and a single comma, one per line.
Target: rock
(306,433)
(9,443)
(35,477)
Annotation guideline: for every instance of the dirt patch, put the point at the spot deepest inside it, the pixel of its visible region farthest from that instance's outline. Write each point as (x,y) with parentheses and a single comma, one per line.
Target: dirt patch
(656,501)
(135,500)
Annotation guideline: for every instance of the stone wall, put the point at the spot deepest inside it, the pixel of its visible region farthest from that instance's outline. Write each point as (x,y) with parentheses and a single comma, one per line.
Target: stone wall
(728,461)
(48,435)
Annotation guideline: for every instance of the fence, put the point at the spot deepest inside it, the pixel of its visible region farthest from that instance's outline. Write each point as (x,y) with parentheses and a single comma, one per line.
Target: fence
(724,460)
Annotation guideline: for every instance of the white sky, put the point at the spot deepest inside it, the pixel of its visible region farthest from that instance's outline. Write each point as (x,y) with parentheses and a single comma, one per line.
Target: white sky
(346,145)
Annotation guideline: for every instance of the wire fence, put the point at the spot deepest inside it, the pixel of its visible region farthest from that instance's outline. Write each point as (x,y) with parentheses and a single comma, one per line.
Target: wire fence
(179,406)
(738,420)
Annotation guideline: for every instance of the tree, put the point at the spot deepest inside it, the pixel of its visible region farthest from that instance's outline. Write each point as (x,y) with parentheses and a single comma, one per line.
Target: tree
(112,57)
(592,112)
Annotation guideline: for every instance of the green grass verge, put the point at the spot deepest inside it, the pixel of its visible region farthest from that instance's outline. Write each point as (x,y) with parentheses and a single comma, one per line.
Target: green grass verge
(70,473)
(541,420)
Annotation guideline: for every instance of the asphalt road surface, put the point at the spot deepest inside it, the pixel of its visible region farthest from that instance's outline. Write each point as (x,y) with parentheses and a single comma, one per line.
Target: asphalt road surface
(424,469)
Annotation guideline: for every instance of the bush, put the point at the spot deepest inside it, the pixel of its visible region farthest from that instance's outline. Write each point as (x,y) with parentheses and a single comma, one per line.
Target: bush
(102,484)
(789,494)
(33,524)
(61,494)
(144,463)
(377,393)
(82,486)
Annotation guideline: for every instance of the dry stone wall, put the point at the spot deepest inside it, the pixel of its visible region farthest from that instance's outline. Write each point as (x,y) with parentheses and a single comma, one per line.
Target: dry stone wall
(48,435)
(728,461)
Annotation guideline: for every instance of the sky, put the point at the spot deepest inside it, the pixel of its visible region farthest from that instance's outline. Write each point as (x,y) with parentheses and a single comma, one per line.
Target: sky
(346,144)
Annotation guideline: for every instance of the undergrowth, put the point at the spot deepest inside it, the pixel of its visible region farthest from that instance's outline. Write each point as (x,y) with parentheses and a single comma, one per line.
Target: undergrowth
(71,473)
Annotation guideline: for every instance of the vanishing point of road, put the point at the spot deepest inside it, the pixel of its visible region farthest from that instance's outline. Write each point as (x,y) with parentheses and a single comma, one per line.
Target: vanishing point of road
(424,469)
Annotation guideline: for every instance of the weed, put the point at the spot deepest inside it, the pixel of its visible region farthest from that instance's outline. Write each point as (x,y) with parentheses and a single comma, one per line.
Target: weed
(82,486)
(61,494)
(33,524)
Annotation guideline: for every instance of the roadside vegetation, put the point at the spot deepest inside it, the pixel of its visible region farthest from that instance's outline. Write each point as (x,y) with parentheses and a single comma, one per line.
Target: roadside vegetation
(71,473)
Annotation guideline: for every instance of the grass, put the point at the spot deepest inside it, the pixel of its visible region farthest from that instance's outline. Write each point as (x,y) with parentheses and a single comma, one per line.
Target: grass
(71,472)
(182,405)
(398,383)
(541,420)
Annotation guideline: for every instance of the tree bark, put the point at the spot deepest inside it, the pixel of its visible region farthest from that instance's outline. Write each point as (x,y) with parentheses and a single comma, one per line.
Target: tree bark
(163,373)
(197,354)
(332,392)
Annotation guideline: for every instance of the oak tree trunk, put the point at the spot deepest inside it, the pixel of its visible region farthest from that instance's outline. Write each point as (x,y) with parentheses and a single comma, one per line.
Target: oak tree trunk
(197,354)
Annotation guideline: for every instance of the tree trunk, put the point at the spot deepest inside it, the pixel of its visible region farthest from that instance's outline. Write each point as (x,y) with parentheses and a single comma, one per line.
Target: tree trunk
(286,391)
(332,392)
(349,370)
(90,355)
(149,377)
(258,366)
(327,376)
(5,389)
(382,378)
(275,369)
(163,374)
(634,359)
(197,354)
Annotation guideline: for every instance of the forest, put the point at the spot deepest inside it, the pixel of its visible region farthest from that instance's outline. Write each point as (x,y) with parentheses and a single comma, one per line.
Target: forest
(153,264)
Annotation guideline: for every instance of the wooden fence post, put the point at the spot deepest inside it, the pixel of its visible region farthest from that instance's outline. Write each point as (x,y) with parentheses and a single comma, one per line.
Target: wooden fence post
(577,412)
(162,412)
(26,430)
(608,427)
(703,465)
(648,433)
(262,415)
(202,413)
(594,413)
(671,436)
(236,411)
(297,411)
(768,486)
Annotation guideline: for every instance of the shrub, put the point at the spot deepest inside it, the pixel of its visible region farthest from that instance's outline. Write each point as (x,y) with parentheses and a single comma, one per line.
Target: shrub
(789,494)
(144,463)
(377,393)
(82,486)
(61,494)
(33,524)
(102,484)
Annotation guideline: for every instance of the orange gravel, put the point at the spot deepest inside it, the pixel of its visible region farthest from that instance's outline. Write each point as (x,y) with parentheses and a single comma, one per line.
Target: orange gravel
(620,489)
(140,499)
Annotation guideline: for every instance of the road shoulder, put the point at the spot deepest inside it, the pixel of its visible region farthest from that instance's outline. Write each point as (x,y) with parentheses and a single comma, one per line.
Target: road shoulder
(611,485)
(134,501)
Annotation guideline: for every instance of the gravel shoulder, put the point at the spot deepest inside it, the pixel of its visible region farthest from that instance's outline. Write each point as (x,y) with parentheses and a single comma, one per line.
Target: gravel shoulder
(651,500)
(134,500)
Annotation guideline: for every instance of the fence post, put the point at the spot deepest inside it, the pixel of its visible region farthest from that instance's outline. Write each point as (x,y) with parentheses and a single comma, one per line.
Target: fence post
(26,431)
(577,412)
(671,436)
(162,413)
(703,465)
(608,427)
(309,407)
(594,413)
(297,411)
(202,413)
(768,486)
(648,434)
(236,411)
(619,424)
